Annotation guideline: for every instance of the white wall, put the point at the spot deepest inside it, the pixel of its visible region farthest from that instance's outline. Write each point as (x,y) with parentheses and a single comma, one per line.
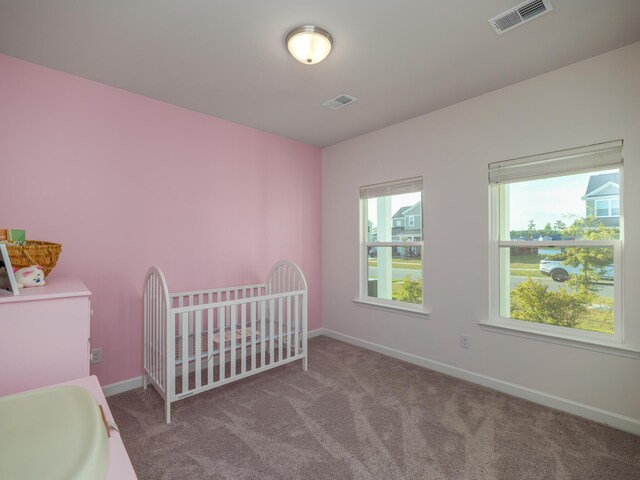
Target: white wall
(593,101)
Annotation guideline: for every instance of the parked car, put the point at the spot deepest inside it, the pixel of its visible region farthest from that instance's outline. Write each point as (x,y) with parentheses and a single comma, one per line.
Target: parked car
(560,272)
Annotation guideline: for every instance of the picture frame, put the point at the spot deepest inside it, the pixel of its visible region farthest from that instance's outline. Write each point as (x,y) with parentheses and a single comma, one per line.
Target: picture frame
(8,284)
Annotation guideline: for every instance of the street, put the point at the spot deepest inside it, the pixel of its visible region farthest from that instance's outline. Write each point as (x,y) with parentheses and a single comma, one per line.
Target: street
(606,290)
(397,273)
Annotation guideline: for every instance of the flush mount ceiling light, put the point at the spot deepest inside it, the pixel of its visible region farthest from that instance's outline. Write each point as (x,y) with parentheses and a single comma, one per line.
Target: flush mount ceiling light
(309,44)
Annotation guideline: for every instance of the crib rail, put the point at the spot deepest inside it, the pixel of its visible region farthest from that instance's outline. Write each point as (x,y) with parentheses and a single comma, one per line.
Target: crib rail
(287,276)
(156,331)
(241,291)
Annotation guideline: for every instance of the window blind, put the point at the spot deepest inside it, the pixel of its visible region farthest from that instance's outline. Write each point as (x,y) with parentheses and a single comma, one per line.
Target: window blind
(397,187)
(583,159)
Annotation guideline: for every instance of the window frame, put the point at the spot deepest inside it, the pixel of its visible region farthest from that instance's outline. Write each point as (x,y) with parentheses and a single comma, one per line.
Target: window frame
(609,201)
(611,343)
(364,244)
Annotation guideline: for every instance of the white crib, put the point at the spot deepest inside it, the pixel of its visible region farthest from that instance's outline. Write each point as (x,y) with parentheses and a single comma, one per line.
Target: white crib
(195,341)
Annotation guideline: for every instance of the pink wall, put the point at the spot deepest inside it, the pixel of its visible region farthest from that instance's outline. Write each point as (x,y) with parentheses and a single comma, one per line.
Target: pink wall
(124,182)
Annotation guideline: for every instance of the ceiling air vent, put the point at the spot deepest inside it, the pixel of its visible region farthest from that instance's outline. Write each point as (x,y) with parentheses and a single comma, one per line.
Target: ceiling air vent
(520,14)
(339,101)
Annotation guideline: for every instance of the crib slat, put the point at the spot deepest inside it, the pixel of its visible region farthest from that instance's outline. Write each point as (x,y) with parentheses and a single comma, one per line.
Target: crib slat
(262,329)
(148,315)
(210,352)
(288,326)
(150,326)
(191,320)
(184,327)
(232,337)
(171,356)
(304,331)
(289,277)
(148,332)
(145,345)
(279,279)
(254,306)
(153,357)
(163,331)
(159,330)
(156,327)
(285,276)
(198,346)
(243,338)
(221,342)
(280,329)
(272,319)
(296,321)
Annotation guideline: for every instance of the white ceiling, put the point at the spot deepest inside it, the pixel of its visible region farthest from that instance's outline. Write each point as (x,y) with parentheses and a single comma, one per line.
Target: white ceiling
(400,59)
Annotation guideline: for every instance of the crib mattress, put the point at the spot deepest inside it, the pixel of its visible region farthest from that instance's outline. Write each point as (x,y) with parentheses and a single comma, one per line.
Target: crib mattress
(238,334)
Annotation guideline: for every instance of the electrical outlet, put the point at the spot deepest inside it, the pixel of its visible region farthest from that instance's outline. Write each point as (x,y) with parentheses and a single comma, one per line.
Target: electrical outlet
(96,355)
(465,342)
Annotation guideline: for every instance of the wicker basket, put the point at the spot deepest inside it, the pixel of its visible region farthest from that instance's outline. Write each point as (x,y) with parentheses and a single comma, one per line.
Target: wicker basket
(35,252)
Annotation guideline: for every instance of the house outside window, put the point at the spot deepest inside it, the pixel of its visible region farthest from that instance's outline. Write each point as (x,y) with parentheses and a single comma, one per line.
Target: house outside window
(391,249)
(602,197)
(555,261)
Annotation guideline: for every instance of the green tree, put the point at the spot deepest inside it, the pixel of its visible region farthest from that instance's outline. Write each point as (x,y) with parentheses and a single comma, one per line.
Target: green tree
(547,230)
(410,291)
(532,301)
(559,225)
(592,259)
(531,227)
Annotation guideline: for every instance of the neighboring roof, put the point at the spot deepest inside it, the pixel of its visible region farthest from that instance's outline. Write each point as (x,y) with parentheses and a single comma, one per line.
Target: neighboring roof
(415,206)
(598,181)
(400,212)
(604,185)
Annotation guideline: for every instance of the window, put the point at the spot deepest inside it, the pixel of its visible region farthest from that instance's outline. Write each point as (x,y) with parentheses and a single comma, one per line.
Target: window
(391,260)
(412,221)
(609,207)
(555,266)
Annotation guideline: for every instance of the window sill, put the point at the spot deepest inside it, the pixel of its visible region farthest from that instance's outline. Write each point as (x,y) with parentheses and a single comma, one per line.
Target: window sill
(415,312)
(611,348)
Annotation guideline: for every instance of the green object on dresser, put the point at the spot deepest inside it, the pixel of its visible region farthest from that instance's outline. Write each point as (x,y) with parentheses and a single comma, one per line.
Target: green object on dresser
(9,235)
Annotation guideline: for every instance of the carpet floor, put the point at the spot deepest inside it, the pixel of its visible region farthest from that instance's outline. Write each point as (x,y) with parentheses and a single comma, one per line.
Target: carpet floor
(357,414)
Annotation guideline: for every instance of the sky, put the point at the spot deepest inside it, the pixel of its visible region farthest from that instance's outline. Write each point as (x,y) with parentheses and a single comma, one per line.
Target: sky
(547,200)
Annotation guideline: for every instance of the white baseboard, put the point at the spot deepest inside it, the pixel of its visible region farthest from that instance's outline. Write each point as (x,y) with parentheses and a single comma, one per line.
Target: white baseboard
(121,387)
(315,333)
(628,424)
